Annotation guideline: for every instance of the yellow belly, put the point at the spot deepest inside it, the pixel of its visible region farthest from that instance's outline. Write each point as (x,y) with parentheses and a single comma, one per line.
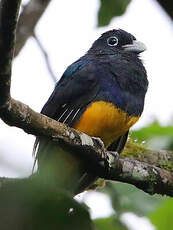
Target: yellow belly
(104,120)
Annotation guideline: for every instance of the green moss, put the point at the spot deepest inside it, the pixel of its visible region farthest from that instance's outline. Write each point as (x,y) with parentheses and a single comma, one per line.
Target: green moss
(133,149)
(140,152)
(167,165)
(100,183)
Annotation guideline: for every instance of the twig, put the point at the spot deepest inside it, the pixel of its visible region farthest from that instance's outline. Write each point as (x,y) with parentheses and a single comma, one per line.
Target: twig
(28,20)
(46,57)
(167,6)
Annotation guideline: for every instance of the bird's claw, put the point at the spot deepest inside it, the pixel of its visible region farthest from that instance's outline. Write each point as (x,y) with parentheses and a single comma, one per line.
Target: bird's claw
(99,142)
(102,146)
(114,154)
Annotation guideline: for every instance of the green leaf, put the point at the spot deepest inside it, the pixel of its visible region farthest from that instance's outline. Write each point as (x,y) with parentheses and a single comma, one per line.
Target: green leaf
(109,9)
(127,198)
(110,223)
(155,129)
(162,218)
(32,204)
(155,136)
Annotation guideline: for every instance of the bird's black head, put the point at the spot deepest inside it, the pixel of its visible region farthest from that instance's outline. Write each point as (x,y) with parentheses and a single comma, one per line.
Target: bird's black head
(114,41)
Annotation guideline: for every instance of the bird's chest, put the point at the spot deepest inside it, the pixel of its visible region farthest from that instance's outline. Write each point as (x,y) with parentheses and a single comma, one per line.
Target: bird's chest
(104,120)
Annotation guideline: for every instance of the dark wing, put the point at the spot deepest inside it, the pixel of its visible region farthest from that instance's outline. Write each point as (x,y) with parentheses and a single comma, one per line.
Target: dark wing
(71,96)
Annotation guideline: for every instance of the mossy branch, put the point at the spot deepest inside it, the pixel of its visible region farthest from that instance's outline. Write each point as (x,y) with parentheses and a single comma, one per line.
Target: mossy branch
(162,158)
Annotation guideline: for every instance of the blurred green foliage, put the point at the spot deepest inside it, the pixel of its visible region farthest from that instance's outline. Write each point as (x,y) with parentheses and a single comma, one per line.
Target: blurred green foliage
(155,136)
(162,217)
(154,129)
(110,223)
(127,198)
(27,204)
(109,9)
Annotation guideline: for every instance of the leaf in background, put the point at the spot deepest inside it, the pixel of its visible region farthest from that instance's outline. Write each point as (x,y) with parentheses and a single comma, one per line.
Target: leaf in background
(162,218)
(127,198)
(32,204)
(110,223)
(156,136)
(109,9)
(155,129)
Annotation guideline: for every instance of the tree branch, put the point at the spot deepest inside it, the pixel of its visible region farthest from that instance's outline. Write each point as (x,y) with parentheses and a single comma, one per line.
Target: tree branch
(149,178)
(167,6)
(7,39)
(162,158)
(97,160)
(28,20)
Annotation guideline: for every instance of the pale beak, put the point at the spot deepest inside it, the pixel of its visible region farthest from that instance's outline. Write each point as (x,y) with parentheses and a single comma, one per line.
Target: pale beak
(135,47)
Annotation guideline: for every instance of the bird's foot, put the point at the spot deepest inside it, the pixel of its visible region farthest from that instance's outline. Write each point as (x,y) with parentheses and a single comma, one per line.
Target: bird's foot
(99,142)
(102,146)
(114,154)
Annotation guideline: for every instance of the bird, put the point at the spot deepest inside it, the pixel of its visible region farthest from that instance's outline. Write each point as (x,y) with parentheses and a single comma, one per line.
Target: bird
(101,94)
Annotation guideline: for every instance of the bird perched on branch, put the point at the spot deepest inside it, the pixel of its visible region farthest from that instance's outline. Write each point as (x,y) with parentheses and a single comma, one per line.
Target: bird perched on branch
(102,94)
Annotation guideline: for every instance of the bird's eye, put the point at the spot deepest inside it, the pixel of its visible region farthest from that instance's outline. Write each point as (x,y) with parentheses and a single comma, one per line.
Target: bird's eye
(112,41)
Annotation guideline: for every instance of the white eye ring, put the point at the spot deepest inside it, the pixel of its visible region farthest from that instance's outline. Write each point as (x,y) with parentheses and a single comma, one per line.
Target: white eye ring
(112,41)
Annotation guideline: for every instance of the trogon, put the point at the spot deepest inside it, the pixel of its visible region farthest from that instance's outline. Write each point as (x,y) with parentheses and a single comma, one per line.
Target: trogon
(102,93)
